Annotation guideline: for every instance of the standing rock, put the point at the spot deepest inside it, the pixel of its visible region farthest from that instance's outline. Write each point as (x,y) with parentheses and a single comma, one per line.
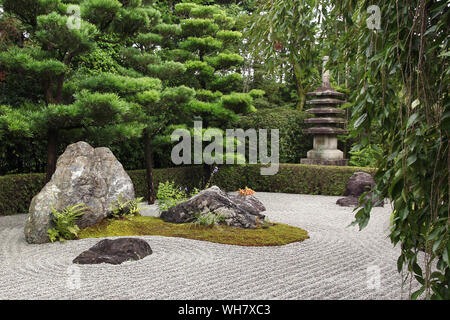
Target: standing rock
(359,183)
(115,251)
(237,211)
(93,177)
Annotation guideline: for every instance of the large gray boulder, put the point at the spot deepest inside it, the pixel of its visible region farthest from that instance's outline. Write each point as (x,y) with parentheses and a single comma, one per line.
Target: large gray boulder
(359,183)
(85,175)
(237,211)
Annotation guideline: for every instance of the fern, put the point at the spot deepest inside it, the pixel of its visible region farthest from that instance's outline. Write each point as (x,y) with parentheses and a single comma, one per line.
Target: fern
(65,223)
(208,220)
(121,209)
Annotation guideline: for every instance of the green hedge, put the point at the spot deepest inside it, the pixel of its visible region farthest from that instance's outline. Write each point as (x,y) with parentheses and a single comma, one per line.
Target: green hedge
(184,176)
(291,178)
(16,191)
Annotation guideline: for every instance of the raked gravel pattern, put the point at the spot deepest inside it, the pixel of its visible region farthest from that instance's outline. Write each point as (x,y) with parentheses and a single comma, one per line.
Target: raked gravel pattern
(337,262)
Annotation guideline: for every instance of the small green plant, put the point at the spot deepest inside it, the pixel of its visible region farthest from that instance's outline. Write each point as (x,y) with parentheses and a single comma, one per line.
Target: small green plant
(267,224)
(65,223)
(169,195)
(365,157)
(210,180)
(208,219)
(121,209)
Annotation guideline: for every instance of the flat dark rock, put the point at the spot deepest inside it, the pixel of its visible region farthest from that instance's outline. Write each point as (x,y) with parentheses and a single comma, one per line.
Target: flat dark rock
(115,251)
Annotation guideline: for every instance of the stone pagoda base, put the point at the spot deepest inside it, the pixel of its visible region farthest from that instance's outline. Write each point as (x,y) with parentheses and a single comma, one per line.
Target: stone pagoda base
(322,162)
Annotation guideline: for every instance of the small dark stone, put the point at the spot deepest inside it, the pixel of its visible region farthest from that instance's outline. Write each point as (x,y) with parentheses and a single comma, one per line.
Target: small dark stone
(359,183)
(236,210)
(115,251)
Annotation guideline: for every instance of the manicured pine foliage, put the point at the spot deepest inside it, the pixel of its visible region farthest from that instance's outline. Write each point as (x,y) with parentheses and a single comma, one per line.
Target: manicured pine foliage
(51,44)
(190,49)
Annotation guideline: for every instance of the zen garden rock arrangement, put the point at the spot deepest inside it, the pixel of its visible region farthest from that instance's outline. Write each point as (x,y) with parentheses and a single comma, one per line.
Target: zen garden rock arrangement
(359,183)
(115,251)
(90,192)
(84,175)
(233,210)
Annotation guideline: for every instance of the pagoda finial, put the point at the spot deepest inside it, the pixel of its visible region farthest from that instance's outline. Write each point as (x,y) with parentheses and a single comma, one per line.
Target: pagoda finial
(325,73)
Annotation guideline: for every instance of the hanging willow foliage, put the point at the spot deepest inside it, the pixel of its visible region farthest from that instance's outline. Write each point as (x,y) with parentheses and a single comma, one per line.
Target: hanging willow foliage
(404,72)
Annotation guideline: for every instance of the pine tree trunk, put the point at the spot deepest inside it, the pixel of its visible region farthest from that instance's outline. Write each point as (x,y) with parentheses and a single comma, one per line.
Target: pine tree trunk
(52,146)
(149,169)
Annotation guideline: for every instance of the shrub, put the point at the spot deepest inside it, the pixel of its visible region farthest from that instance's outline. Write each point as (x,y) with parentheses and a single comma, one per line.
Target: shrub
(293,143)
(65,223)
(364,157)
(291,178)
(256,93)
(16,192)
(169,194)
(121,209)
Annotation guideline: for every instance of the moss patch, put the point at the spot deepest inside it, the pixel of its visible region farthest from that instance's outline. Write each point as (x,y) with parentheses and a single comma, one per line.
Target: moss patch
(276,235)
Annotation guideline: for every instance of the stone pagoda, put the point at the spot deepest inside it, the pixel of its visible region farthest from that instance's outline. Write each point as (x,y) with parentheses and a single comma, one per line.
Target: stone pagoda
(327,124)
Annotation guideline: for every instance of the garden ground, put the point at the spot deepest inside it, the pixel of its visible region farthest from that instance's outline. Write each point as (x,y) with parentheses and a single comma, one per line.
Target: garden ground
(337,262)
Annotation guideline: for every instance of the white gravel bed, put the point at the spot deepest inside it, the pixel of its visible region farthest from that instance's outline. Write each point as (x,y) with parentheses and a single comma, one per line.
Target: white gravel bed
(337,262)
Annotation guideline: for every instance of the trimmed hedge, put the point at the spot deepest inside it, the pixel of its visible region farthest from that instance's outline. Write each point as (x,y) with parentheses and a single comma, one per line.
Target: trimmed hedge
(184,176)
(16,191)
(291,178)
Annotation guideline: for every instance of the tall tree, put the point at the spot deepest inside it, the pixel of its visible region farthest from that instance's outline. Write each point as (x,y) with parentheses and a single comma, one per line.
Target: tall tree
(191,51)
(285,33)
(57,33)
(405,72)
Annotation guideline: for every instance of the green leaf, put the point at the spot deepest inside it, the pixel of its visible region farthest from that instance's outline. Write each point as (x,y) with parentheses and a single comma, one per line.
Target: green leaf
(360,120)
(416,294)
(412,120)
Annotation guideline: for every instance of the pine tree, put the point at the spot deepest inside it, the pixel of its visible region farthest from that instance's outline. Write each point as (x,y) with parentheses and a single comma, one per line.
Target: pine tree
(192,51)
(56,33)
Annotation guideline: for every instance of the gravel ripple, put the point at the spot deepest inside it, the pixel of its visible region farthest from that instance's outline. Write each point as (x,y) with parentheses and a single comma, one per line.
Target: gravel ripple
(337,262)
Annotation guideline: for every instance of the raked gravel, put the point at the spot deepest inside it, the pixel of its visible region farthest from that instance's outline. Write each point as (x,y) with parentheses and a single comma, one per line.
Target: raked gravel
(337,262)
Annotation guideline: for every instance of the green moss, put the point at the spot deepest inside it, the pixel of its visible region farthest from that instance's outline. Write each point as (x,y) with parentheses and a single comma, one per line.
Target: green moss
(276,235)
